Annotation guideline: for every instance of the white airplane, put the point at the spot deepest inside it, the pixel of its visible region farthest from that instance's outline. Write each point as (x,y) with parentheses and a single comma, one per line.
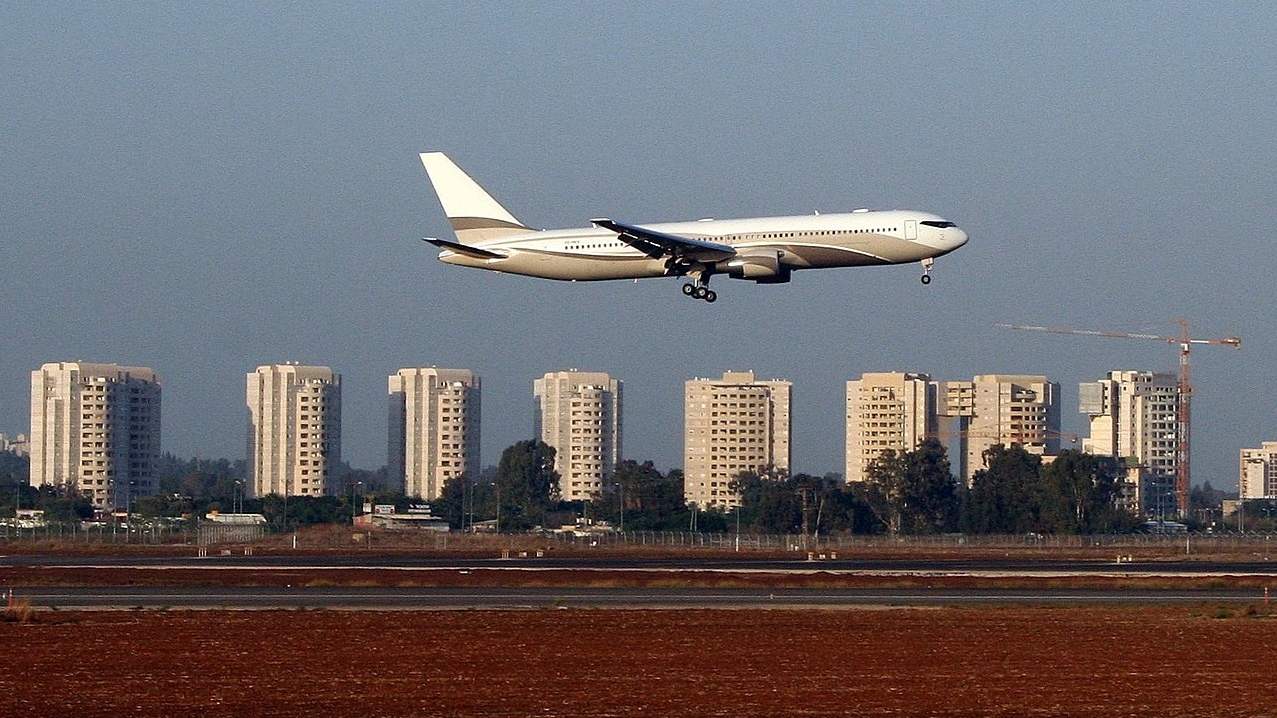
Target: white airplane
(765,250)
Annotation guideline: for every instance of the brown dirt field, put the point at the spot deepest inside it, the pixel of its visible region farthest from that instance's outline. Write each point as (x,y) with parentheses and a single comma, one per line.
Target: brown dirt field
(1161,661)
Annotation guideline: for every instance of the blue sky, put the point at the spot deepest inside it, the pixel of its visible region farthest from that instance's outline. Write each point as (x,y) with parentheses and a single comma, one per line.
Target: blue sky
(203,188)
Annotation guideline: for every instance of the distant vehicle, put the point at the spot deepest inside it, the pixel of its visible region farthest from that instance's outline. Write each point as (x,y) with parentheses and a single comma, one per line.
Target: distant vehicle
(29,518)
(765,250)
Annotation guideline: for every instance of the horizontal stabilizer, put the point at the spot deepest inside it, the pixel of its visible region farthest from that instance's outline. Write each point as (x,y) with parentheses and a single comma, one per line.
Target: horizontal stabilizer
(459,248)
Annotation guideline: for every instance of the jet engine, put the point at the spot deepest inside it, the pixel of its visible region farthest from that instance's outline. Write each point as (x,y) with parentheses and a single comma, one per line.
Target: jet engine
(762,268)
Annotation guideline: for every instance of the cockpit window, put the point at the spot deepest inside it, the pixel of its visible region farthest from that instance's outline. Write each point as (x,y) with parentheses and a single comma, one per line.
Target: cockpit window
(939,225)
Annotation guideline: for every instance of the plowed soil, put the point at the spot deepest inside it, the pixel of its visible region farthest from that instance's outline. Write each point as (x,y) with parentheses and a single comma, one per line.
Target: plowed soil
(1160,661)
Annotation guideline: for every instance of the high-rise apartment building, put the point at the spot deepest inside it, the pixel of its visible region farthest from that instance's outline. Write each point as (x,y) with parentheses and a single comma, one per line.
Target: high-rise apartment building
(730,426)
(96,428)
(1134,418)
(294,430)
(891,410)
(1258,477)
(579,414)
(992,409)
(434,428)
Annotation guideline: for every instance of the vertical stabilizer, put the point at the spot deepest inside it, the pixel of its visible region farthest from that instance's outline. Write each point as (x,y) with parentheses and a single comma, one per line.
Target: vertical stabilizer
(474,214)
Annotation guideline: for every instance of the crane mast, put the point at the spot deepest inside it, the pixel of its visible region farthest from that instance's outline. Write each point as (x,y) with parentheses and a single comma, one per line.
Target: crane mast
(1184,389)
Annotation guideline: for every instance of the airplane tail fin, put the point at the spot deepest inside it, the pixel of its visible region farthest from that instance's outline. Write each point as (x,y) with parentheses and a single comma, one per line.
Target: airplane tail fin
(474,214)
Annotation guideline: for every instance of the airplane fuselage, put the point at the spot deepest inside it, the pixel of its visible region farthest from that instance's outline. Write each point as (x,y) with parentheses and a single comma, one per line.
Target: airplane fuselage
(767,247)
(766,250)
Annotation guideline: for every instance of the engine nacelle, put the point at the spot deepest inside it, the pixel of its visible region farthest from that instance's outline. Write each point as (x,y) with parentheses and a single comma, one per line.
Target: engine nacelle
(762,268)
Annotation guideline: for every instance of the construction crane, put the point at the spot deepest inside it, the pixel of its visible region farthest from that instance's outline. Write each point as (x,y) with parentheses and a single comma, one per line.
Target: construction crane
(1184,389)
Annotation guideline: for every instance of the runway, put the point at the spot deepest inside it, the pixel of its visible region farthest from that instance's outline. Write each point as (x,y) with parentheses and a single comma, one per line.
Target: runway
(1259,566)
(413,582)
(396,598)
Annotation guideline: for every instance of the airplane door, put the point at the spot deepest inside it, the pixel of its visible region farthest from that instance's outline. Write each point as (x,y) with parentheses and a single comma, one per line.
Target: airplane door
(911,229)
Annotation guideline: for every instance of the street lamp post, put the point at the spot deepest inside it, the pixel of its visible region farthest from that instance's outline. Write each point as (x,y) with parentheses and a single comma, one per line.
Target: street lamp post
(356,485)
(738,528)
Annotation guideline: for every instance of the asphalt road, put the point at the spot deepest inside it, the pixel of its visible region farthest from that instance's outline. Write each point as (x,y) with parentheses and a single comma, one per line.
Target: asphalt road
(394,598)
(1259,566)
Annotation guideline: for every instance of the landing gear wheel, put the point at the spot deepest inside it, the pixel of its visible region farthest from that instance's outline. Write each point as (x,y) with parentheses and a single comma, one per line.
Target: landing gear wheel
(711,296)
(700,293)
(688,289)
(926,279)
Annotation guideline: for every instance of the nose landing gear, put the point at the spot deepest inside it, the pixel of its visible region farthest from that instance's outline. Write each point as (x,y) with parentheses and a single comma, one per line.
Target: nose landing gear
(926,270)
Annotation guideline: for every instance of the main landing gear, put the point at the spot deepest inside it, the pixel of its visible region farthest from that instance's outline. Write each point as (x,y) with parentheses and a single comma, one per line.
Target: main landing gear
(700,290)
(926,270)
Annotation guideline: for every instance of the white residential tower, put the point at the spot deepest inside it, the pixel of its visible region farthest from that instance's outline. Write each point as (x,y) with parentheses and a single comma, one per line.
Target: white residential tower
(294,430)
(579,414)
(433,428)
(732,425)
(96,429)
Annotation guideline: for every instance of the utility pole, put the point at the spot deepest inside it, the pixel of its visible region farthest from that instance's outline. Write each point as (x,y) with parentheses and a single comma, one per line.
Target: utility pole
(805,492)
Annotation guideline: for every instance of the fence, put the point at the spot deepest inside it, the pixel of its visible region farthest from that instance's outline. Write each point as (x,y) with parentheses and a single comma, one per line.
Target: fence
(153,533)
(334,537)
(1190,542)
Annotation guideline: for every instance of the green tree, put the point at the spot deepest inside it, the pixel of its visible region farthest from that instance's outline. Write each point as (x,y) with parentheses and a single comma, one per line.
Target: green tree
(845,510)
(160,505)
(1079,495)
(451,504)
(63,504)
(1005,496)
(775,502)
(526,485)
(913,492)
(466,500)
(882,491)
(769,502)
(930,493)
(641,498)
(205,483)
(312,510)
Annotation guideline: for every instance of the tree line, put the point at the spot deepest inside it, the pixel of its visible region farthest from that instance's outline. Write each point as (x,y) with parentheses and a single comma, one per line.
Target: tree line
(907,493)
(192,487)
(911,492)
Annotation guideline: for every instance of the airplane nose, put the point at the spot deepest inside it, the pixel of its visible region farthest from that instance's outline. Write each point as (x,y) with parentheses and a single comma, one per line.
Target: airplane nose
(959,237)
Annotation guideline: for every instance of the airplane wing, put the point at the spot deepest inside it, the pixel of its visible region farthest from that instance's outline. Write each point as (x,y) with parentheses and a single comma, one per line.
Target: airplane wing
(659,244)
(465,249)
